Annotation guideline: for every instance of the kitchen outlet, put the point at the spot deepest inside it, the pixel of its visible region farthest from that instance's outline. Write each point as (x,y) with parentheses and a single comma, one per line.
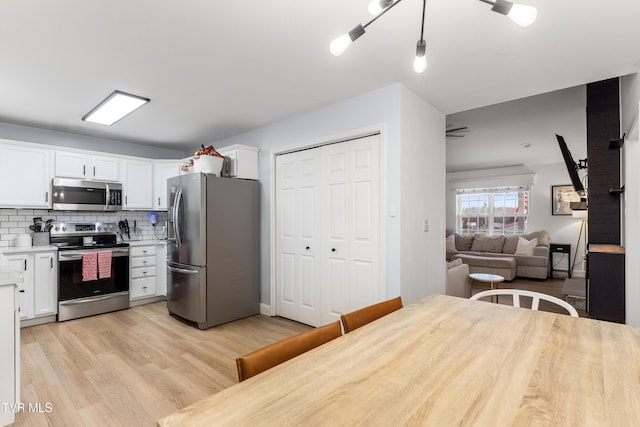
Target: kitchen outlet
(425,226)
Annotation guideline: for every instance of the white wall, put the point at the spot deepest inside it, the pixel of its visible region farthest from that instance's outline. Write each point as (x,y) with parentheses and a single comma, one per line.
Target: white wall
(630,106)
(62,139)
(379,108)
(422,192)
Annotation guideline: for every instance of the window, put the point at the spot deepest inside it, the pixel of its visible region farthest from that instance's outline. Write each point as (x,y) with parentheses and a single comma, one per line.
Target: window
(500,210)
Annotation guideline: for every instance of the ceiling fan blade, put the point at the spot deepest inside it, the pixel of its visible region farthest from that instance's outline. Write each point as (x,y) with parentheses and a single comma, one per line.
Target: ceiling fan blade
(458,129)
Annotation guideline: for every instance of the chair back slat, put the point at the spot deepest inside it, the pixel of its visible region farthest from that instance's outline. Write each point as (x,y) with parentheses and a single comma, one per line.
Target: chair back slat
(535,296)
(274,354)
(361,317)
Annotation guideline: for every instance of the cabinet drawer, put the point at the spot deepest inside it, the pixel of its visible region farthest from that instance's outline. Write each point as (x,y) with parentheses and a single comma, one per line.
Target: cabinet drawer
(147,261)
(143,272)
(142,251)
(143,287)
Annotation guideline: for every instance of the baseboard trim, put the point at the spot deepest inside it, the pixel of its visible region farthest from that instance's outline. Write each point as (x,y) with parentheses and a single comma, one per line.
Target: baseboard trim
(265,309)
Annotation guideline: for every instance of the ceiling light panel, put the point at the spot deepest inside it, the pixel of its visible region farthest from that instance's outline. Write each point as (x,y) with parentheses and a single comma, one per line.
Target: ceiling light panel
(115,107)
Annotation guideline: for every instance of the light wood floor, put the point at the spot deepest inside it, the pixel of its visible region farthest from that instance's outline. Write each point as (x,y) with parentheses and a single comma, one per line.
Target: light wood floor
(132,367)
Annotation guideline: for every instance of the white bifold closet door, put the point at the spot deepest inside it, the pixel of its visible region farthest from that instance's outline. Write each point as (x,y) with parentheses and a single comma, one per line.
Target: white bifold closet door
(328,230)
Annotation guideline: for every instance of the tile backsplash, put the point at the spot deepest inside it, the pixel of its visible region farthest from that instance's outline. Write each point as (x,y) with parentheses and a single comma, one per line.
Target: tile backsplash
(17,221)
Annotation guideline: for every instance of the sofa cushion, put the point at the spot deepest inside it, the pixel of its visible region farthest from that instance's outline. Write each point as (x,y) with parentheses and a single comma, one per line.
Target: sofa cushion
(453,263)
(542,236)
(510,244)
(451,242)
(463,242)
(483,243)
(526,247)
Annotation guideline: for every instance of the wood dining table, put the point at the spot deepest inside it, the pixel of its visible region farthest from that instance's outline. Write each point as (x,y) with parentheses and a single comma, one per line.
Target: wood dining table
(446,361)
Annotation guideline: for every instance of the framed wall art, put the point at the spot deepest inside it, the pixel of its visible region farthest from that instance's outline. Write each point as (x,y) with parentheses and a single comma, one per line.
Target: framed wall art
(561,197)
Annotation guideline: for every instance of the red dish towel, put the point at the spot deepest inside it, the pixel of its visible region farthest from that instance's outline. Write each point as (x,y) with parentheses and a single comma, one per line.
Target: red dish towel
(104,264)
(89,266)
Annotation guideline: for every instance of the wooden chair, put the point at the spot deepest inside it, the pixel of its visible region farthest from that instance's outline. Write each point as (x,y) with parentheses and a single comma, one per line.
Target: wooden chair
(274,354)
(358,318)
(536,297)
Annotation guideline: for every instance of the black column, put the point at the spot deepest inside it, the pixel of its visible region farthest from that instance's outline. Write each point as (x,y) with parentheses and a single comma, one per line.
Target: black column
(603,124)
(605,258)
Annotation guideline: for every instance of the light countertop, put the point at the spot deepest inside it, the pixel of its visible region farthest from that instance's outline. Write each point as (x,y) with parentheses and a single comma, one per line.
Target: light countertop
(10,278)
(13,250)
(146,242)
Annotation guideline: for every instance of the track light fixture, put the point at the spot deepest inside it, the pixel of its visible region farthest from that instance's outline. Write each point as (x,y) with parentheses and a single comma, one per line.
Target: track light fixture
(521,14)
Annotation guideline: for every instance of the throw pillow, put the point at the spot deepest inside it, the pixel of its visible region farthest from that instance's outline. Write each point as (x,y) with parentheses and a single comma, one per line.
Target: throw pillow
(463,243)
(453,263)
(526,247)
(542,235)
(451,243)
(482,243)
(510,244)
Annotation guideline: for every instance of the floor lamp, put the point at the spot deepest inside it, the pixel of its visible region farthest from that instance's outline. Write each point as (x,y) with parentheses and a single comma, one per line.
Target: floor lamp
(583,216)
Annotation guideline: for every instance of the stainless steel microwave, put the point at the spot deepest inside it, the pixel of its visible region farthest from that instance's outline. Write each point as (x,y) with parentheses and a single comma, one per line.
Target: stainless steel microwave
(79,195)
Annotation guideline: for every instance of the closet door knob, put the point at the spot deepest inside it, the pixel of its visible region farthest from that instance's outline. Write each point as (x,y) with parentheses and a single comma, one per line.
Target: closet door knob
(307,248)
(333,249)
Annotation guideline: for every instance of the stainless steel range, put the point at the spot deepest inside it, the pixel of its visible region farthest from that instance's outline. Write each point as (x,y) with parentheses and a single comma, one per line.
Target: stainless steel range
(93,269)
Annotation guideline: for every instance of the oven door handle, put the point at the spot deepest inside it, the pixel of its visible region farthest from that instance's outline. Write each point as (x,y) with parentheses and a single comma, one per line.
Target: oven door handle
(77,255)
(92,299)
(181,270)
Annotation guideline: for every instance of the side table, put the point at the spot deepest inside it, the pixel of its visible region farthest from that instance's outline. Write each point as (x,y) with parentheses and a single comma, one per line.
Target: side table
(559,248)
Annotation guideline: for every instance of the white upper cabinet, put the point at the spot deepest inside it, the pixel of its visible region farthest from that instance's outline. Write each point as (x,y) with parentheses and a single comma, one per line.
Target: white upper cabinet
(137,184)
(162,170)
(85,166)
(244,160)
(104,168)
(26,175)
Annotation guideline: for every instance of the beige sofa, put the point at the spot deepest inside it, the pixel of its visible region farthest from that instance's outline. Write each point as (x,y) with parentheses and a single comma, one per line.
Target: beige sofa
(502,255)
(458,284)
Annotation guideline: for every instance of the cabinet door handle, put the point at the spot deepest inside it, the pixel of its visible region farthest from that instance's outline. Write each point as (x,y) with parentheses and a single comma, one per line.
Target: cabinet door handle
(126,200)
(94,171)
(51,261)
(158,201)
(25,265)
(46,197)
(84,170)
(21,291)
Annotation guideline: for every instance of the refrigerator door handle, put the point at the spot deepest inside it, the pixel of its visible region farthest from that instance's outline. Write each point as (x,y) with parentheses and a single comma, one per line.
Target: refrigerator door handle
(176,216)
(181,270)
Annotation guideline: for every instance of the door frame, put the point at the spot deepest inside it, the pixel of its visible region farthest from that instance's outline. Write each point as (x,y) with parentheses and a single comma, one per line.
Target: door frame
(338,138)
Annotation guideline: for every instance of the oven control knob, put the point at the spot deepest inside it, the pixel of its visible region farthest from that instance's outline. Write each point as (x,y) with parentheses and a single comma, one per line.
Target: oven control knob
(99,228)
(64,228)
(110,227)
(57,228)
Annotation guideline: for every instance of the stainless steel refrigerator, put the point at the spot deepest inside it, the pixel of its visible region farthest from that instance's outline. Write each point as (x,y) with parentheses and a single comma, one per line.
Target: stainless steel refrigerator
(213,248)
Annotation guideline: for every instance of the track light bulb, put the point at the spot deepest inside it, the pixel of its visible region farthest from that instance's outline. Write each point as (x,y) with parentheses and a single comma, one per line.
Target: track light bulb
(420,61)
(377,6)
(340,44)
(522,14)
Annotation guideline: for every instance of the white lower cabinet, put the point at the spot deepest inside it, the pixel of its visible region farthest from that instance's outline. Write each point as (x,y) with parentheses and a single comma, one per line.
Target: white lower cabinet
(9,352)
(39,289)
(143,272)
(161,269)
